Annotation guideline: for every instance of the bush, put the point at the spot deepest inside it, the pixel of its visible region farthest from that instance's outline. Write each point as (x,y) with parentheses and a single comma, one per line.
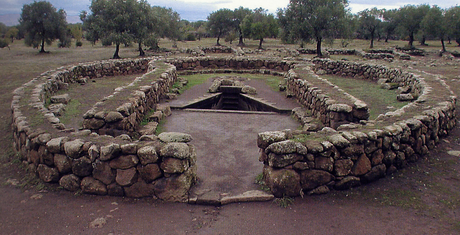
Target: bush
(190,37)
(3,43)
(106,42)
(152,43)
(78,44)
(65,42)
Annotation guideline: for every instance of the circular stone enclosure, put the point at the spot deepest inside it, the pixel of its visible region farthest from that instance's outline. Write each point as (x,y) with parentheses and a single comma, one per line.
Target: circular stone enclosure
(350,151)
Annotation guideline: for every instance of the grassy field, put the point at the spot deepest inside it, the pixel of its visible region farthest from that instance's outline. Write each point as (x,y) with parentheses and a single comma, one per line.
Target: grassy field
(20,63)
(429,188)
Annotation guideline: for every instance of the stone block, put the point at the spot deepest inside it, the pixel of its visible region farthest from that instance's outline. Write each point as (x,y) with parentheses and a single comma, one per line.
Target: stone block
(63,99)
(82,167)
(149,172)
(126,177)
(47,174)
(62,163)
(175,150)
(147,154)
(124,162)
(70,182)
(168,137)
(282,182)
(139,189)
(103,172)
(92,186)
(311,179)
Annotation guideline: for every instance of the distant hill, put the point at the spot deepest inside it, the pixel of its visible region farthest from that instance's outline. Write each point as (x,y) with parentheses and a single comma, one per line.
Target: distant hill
(13,19)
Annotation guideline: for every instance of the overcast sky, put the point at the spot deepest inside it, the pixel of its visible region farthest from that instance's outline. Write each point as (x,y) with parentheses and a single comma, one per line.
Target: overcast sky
(194,10)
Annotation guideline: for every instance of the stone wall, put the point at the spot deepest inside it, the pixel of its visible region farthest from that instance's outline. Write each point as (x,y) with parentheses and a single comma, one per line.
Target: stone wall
(330,112)
(127,116)
(232,63)
(163,167)
(297,162)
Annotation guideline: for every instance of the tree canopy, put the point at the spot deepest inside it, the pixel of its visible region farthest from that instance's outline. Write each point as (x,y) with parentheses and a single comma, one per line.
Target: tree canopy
(370,21)
(259,25)
(313,19)
(220,22)
(434,24)
(43,23)
(409,18)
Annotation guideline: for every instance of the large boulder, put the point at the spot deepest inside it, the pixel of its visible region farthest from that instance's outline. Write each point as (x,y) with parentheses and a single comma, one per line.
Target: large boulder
(73,148)
(174,137)
(139,189)
(70,182)
(92,186)
(124,162)
(175,188)
(174,165)
(265,139)
(62,163)
(361,166)
(63,99)
(82,167)
(311,179)
(283,160)
(47,174)
(103,172)
(282,182)
(286,147)
(175,150)
(126,177)
(147,154)
(149,172)
(109,152)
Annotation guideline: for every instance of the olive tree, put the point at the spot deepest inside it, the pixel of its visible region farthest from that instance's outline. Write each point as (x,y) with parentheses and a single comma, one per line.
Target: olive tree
(220,22)
(260,25)
(314,20)
(111,20)
(453,23)
(370,22)
(409,18)
(434,24)
(42,23)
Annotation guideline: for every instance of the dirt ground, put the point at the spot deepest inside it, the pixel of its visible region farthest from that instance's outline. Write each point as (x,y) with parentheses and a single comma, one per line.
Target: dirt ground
(421,199)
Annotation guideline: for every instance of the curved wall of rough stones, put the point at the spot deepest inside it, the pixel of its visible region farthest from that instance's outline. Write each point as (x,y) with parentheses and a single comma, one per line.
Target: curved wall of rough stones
(163,167)
(340,160)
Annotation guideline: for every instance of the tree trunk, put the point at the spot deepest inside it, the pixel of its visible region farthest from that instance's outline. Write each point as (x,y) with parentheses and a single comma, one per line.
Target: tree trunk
(241,43)
(372,41)
(411,40)
(318,46)
(141,51)
(260,43)
(422,43)
(443,46)
(42,50)
(115,55)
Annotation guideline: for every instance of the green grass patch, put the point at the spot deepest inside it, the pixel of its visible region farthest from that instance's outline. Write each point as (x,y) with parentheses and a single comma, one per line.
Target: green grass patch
(72,111)
(284,202)
(378,100)
(160,127)
(261,182)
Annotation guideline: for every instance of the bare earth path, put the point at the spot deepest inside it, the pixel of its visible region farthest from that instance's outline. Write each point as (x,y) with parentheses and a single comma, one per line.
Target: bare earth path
(422,199)
(226,143)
